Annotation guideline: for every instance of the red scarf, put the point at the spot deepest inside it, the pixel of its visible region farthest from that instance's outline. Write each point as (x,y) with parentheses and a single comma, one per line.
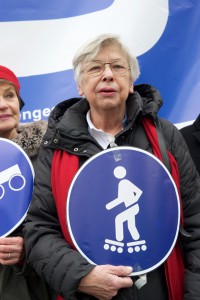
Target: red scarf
(174,267)
(64,168)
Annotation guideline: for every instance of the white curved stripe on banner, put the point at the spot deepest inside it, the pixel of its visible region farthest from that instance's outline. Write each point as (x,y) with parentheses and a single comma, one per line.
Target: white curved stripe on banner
(47,46)
(183,124)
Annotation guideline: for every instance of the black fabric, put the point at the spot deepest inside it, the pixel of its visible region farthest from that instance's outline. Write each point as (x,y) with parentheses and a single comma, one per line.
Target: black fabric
(21,103)
(191,135)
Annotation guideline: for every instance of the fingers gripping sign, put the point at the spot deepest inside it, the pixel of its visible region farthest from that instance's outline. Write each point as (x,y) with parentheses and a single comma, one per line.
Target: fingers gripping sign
(11,250)
(103,282)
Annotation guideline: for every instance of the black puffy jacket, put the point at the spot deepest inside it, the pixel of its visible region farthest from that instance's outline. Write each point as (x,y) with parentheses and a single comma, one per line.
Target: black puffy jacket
(191,135)
(46,248)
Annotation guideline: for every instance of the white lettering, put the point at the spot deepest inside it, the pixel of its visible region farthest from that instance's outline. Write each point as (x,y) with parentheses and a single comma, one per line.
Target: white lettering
(35,115)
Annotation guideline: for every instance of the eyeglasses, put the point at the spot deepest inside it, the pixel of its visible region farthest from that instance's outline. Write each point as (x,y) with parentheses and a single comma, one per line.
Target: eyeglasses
(118,67)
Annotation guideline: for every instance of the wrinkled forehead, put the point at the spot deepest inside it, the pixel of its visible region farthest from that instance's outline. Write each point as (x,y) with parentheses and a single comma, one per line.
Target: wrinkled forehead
(106,52)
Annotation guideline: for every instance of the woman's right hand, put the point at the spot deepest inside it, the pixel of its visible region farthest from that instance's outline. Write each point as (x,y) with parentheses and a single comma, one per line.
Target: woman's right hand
(103,282)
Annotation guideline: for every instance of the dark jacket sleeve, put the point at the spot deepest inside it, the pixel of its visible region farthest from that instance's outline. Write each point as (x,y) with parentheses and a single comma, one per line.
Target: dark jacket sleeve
(190,196)
(46,249)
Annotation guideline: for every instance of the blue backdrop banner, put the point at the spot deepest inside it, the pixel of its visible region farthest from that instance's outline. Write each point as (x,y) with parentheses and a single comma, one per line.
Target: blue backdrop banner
(39,39)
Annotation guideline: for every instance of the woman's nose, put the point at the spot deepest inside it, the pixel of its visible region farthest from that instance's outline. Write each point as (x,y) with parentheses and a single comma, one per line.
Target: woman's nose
(3,102)
(107,73)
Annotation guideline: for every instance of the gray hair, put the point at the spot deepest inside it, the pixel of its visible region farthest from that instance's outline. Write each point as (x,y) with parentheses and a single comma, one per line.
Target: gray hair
(91,49)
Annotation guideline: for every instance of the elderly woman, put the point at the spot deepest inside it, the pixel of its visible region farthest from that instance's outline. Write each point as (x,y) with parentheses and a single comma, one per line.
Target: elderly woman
(111,111)
(17,280)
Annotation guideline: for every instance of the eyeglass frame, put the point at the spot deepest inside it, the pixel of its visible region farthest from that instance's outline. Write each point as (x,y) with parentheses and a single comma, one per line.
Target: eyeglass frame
(103,69)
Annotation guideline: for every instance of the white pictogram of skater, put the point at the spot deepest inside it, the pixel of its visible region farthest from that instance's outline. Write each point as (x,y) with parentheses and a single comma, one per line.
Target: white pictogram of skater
(129,194)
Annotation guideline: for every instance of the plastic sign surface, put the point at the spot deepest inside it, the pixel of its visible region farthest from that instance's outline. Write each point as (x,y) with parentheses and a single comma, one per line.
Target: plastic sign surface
(16,185)
(123,209)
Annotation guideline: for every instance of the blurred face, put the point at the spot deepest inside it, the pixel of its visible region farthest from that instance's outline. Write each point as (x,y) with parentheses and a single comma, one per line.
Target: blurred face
(109,90)
(9,111)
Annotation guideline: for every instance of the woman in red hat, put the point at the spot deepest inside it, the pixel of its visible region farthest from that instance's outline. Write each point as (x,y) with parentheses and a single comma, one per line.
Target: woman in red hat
(17,280)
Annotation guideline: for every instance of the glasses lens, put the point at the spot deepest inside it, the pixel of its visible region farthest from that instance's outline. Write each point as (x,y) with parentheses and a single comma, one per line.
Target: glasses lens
(94,68)
(119,67)
(97,68)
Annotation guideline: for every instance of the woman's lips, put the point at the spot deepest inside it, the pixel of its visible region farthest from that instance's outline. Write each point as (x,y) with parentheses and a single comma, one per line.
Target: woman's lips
(107,91)
(4,117)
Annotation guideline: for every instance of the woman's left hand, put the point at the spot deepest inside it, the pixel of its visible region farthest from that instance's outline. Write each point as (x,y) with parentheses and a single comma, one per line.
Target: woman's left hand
(11,250)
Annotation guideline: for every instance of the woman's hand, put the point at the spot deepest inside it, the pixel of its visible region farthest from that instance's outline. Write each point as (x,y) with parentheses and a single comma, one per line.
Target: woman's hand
(103,282)
(11,250)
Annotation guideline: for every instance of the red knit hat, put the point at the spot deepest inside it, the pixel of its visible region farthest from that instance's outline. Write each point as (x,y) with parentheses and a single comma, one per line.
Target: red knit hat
(8,75)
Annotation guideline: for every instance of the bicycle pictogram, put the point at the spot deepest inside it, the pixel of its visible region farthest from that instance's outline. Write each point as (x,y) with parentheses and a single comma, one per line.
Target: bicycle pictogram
(12,175)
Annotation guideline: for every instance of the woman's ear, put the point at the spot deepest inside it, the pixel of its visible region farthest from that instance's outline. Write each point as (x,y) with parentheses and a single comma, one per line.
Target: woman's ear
(80,91)
(131,89)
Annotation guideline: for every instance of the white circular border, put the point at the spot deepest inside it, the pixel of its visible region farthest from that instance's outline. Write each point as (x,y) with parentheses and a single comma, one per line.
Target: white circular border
(176,192)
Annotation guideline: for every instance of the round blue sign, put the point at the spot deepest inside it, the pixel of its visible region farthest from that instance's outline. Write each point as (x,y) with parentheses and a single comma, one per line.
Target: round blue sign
(16,185)
(123,209)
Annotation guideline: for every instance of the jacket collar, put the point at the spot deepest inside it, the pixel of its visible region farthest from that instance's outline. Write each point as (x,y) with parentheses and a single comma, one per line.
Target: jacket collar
(197,122)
